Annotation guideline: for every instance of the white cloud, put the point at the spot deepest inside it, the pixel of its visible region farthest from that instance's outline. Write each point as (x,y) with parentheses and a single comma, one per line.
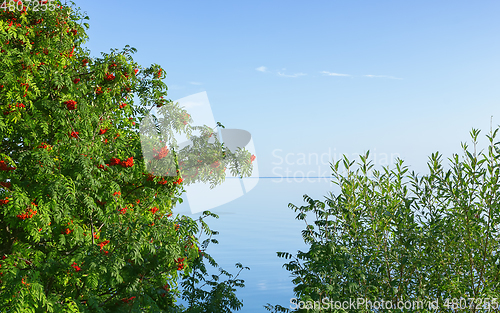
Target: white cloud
(264,69)
(293,75)
(196,83)
(333,74)
(381,76)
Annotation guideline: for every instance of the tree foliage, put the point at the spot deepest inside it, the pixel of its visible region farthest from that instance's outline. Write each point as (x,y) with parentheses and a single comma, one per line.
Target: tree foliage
(395,236)
(85,226)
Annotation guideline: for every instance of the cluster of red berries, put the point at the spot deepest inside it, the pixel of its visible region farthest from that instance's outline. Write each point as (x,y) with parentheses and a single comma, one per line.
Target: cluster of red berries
(123,210)
(4,167)
(110,76)
(121,106)
(4,201)
(98,91)
(114,161)
(153,210)
(117,193)
(163,181)
(125,163)
(76,267)
(66,231)
(136,70)
(185,118)
(18,105)
(160,102)
(102,167)
(128,163)
(180,263)
(252,158)
(70,104)
(196,173)
(85,62)
(74,134)
(102,131)
(159,73)
(26,215)
(43,145)
(190,245)
(76,80)
(166,287)
(161,154)
(5,184)
(102,244)
(180,180)
(127,300)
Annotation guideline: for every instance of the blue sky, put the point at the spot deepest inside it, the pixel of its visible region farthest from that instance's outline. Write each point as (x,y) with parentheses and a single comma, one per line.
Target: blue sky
(318,78)
(274,68)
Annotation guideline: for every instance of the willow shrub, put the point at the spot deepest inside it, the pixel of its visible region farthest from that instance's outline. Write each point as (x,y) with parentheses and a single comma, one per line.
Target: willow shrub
(84,224)
(397,236)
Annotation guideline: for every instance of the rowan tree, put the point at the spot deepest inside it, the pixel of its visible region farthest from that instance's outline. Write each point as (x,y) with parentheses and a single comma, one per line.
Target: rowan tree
(84,224)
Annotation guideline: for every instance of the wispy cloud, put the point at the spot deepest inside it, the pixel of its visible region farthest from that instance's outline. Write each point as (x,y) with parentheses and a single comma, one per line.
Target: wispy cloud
(281,73)
(382,76)
(333,74)
(293,75)
(196,83)
(264,69)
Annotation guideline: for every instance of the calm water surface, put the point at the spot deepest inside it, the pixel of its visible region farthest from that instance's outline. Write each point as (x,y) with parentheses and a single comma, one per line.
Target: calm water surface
(253,228)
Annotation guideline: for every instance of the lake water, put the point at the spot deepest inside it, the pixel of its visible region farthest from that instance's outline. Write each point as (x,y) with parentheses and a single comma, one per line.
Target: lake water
(253,228)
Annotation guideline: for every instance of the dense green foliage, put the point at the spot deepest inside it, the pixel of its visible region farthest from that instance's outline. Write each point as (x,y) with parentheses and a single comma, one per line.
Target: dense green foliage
(84,224)
(397,236)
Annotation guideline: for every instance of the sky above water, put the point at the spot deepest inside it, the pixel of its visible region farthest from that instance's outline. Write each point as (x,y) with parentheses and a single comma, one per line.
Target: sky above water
(406,78)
